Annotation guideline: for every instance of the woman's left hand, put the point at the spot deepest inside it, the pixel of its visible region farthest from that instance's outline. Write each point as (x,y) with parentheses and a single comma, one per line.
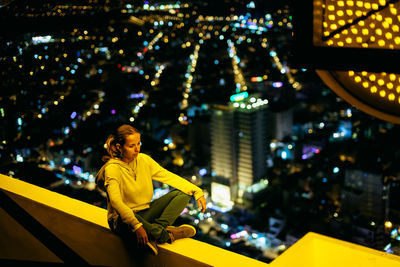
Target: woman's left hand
(201,203)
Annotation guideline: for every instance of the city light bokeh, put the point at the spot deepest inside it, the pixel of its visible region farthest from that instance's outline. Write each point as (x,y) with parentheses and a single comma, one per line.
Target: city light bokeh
(212,89)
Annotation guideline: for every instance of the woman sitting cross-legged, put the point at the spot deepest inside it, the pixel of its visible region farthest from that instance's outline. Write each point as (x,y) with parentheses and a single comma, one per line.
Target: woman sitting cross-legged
(127,179)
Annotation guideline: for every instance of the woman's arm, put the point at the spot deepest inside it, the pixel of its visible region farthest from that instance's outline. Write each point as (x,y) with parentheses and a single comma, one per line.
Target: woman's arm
(127,214)
(162,175)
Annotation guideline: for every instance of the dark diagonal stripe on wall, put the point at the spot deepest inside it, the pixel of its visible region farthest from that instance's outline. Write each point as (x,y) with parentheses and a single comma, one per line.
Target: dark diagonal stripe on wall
(47,238)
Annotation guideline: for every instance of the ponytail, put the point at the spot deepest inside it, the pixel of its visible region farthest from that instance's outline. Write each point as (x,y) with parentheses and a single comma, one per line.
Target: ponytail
(111,148)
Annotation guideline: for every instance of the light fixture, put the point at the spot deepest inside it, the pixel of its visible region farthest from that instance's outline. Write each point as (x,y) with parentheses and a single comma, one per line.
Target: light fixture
(354,46)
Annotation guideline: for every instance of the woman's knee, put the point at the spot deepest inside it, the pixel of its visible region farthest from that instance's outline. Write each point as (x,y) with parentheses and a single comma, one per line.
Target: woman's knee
(183,195)
(178,193)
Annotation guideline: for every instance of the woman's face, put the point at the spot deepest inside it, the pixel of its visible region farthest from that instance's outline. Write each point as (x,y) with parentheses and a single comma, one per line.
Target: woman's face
(131,148)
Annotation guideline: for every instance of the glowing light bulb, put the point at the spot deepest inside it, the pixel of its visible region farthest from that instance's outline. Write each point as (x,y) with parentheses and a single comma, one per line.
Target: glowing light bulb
(372,77)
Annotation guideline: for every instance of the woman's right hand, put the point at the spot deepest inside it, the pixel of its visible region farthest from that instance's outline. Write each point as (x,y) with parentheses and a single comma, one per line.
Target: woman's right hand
(141,236)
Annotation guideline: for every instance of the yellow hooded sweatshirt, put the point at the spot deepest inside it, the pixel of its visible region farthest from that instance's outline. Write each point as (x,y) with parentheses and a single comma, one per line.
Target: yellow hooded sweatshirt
(129,186)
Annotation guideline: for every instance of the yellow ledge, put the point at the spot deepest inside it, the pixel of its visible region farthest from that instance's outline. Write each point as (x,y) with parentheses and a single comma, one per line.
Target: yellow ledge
(202,253)
(311,250)
(319,250)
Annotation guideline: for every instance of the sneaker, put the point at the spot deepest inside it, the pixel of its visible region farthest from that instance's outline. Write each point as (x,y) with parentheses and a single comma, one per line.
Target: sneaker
(183,231)
(152,246)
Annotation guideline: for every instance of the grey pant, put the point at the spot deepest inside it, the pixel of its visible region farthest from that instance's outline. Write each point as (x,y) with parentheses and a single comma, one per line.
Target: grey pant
(161,213)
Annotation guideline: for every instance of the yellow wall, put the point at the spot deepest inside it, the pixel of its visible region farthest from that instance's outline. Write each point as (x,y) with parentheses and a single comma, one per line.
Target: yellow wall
(84,223)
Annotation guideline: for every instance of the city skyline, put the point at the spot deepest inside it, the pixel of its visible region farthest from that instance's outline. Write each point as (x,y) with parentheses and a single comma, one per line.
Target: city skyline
(78,71)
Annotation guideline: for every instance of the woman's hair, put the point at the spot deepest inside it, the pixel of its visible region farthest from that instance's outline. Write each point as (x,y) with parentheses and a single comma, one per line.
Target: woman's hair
(118,137)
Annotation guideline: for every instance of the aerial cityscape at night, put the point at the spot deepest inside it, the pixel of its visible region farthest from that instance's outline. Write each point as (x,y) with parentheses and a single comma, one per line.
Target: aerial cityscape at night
(218,101)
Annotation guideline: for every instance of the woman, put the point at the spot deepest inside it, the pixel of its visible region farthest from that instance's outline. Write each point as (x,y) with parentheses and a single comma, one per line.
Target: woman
(127,178)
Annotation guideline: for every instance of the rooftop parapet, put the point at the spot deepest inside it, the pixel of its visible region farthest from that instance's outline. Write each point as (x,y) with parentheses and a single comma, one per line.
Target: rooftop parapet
(41,226)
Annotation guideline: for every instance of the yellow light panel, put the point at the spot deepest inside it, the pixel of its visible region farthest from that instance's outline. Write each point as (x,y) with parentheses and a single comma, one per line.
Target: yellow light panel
(348,20)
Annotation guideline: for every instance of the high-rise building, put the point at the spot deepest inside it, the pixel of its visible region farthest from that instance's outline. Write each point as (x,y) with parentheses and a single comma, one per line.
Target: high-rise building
(239,143)
(365,194)
(223,139)
(283,122)
(365,197)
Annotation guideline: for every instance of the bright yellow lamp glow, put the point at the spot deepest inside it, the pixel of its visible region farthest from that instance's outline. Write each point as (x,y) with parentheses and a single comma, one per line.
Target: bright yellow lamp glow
(388,224)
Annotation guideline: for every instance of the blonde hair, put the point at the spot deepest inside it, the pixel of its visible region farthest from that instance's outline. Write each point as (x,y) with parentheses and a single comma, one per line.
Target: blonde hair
(119,137)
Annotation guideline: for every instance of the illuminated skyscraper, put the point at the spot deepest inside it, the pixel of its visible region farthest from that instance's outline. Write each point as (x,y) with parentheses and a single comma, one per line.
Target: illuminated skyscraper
(239,143)
(223,140)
